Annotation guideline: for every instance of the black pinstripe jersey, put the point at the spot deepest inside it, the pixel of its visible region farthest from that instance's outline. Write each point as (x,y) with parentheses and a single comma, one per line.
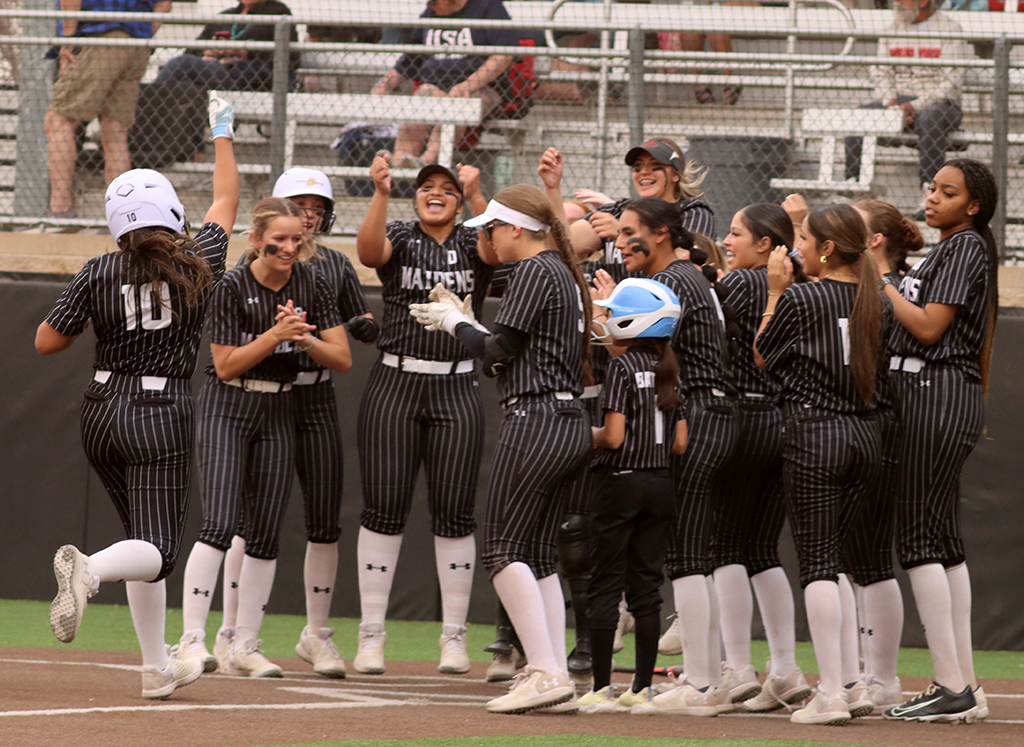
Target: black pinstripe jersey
(695,215)
(136,333)
(748,294)
(417,264)
(699,339)
(348,295)
(884,394)
(629,389)
(543,301)
(243,309)
(955,273)
(806,343)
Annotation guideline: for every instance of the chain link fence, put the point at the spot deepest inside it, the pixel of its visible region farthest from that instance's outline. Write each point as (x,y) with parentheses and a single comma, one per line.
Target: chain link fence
(770,97)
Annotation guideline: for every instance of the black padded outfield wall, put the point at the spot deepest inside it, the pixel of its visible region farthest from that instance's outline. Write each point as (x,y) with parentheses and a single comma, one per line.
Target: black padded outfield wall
(51,497)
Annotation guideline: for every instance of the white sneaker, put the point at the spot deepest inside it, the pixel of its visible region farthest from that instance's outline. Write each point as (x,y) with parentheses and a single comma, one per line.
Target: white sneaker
(671,643)
(370,657)
(249,660)
(823,711)
(687,700)
(883,696)
(567,708)
(193,646)
(503,666)
(599,701)
(723,703)
(222,652)
(454,659)
(319,650)
(625,625)
(981,701)
(74,587)
(532,689)
(741,684)
(778,692)
(858,699)
(157,684)
(637,704)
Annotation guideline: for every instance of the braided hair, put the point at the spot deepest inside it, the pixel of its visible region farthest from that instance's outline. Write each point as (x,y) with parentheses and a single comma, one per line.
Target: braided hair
(981,185)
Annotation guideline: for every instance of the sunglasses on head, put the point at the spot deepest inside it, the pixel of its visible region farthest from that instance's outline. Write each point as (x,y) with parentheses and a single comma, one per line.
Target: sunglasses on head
(487,228)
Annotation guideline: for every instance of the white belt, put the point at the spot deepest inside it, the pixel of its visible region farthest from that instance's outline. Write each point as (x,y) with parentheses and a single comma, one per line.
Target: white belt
(257,385)
(308,378)
(436,368)
(149,383)
(591,392)
(560,396)
(910,365)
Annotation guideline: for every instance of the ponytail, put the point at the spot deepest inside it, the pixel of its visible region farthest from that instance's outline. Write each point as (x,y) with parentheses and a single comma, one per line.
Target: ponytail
(666,377)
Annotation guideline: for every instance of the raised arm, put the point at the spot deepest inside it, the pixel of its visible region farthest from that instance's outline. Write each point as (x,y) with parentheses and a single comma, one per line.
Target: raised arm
(469,177)
(372,244)
(226,186)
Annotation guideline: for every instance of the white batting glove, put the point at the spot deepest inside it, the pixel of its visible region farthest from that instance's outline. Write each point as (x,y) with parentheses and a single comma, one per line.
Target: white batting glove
(465,305)
(438,315)
(222,118)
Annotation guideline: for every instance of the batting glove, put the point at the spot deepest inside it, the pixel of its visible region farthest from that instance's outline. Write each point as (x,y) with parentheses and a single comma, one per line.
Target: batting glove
(222,118)
(438,315)
(465,305)
(363,329)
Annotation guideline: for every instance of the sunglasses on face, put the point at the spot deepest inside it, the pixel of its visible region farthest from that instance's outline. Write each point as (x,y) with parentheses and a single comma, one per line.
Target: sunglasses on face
(489,227)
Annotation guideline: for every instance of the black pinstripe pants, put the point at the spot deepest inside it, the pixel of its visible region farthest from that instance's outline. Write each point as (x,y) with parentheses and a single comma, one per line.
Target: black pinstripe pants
(140,444)
(867,552)
(246,440)
(408,418)
(942,413)
(750,511)
(541,444)
(576,495)
(318,459)
(831,463)
(711,427)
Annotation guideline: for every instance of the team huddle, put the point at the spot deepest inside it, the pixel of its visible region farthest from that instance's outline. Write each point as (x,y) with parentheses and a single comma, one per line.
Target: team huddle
(665,411)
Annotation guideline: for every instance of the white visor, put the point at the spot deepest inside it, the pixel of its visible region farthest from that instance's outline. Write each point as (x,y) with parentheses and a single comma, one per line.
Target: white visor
(496,211)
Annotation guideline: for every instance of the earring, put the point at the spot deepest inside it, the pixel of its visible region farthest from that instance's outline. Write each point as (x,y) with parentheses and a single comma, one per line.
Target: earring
(823,259)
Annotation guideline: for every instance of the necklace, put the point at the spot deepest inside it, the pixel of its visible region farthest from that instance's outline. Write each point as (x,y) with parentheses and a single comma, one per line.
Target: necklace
(838,275)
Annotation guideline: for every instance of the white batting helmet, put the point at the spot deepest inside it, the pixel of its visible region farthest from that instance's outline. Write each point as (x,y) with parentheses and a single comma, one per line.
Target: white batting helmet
(299,181)
(143,198)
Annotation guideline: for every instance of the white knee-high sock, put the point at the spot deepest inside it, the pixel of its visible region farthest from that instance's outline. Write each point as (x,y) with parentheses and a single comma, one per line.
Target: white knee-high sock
(199,581)
(254,586)
(320,573)
(850,641)
(881,617)
(232,570)
(520,594)
(456,559)
(736,611)
(934,605)
(714,635)
(128,560)
(554,613)
(960,598)
(825,619)
(775,601)
(377,555)
(148,604)
(694,610)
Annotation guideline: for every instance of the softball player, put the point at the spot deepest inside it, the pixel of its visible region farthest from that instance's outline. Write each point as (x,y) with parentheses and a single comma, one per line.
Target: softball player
(867,553)
(643,423)
(421,404)
(649,233)
(318,455)
(146,303)
(261,324)
(540,339)
(660,169)
(942,348)
(824,342)
(750,513)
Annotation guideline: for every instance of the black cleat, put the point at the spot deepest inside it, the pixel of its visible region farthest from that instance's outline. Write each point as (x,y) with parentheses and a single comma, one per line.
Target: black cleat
(936,703)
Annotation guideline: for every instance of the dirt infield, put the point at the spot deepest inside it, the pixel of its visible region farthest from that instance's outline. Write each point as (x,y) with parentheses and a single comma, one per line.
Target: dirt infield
(91,699)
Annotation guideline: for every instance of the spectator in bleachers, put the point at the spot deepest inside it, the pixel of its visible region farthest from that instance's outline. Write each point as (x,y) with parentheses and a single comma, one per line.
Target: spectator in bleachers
(928,96)
(232,69)
(95,81)
(460,74)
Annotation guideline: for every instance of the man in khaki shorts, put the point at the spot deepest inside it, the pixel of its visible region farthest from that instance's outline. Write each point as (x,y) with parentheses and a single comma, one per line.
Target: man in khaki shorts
(96,81)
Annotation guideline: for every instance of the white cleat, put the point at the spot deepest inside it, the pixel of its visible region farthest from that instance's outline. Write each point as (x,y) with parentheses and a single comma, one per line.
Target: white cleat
(319,650)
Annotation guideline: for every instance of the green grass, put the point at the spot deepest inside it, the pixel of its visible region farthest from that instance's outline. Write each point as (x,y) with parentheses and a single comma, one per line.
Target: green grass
(109,628)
